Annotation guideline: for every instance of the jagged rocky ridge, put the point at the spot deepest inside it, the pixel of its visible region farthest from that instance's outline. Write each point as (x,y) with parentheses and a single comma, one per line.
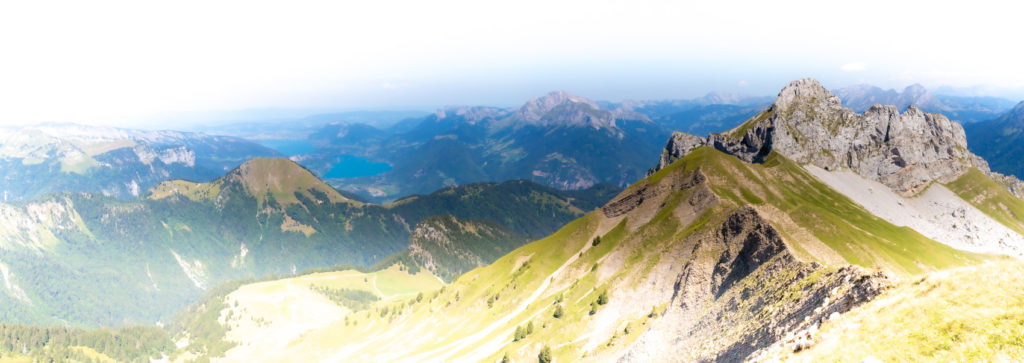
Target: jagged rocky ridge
(739,287)
(736,296)
(807,123)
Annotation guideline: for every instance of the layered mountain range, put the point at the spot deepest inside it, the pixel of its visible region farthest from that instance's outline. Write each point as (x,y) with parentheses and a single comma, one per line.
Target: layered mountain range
(964,109)
(114,162)
(804,231)
(807,123)
(1000,141)
(743,245)
(559,140)
(86,259)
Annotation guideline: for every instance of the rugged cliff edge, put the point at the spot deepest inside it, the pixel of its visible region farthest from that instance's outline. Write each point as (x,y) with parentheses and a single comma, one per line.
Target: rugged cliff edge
(744,291)
(807,123)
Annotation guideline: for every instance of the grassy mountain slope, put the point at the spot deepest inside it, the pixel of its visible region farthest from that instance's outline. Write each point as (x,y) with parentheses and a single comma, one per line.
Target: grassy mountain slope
(448,246)
(709,258)
(278,312)
(831,218)
(990,197)
(969,314)
(87,260)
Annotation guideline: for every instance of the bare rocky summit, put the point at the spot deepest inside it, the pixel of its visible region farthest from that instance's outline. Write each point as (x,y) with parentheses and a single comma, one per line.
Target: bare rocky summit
(808,124)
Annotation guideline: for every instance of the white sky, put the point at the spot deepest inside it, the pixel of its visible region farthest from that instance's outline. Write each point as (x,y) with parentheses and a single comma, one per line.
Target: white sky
(114,62)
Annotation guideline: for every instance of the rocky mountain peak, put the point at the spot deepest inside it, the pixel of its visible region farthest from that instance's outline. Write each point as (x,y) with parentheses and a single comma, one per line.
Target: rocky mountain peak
(806,123)
(915,90)
(561,108)
(806,91)
(916,94)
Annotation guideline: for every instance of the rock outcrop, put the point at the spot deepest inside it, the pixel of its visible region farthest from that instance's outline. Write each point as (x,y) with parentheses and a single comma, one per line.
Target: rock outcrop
(745,291)
(562,108)
(808,124)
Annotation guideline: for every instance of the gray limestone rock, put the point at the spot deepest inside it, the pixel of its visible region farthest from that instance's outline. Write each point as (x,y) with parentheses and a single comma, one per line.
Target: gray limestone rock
(808,124)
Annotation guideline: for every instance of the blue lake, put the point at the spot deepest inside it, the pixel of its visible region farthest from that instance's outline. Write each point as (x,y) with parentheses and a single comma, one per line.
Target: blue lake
(350,166)
(288,147)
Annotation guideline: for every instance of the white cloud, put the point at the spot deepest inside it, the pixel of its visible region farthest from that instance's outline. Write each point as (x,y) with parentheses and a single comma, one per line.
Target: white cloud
(854,67)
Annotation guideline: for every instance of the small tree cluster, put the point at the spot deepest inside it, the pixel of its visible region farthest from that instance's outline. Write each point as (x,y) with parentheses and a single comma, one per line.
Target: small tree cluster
(558,311)
(545,355)
(522,331)
(601,300)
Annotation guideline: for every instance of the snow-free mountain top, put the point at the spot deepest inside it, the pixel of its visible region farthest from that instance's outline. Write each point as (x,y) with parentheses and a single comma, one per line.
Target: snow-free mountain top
(808,124)
(911,169)
(564,109)
(555,109)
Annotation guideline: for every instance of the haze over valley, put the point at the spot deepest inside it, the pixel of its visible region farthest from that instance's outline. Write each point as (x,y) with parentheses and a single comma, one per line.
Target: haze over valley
(511,182)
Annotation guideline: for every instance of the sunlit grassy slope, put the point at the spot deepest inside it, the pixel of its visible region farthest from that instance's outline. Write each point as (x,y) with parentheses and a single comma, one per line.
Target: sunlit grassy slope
(971,314)
(990,197)
(475,317)
(260,177)
(846,229)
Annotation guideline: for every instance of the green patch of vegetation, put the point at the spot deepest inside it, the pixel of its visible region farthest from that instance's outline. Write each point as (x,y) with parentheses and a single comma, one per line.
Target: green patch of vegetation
(545,355)
(991,198)
(59,344)
(351,298)
(854,233)
(742,129)
(973,314)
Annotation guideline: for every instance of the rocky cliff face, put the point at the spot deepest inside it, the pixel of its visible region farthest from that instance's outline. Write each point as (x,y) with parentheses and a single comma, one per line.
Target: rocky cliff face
(808,124)
(561,108)
(736,296)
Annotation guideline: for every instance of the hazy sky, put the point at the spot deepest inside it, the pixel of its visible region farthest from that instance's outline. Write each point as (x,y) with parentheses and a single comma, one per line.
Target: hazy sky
(114,62)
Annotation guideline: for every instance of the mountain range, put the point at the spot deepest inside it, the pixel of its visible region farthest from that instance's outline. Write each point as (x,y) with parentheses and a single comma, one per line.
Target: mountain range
(810,231)
(559,140)
(121,163)
(763,242)
(87,259)
(964,109)
(1000,141)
